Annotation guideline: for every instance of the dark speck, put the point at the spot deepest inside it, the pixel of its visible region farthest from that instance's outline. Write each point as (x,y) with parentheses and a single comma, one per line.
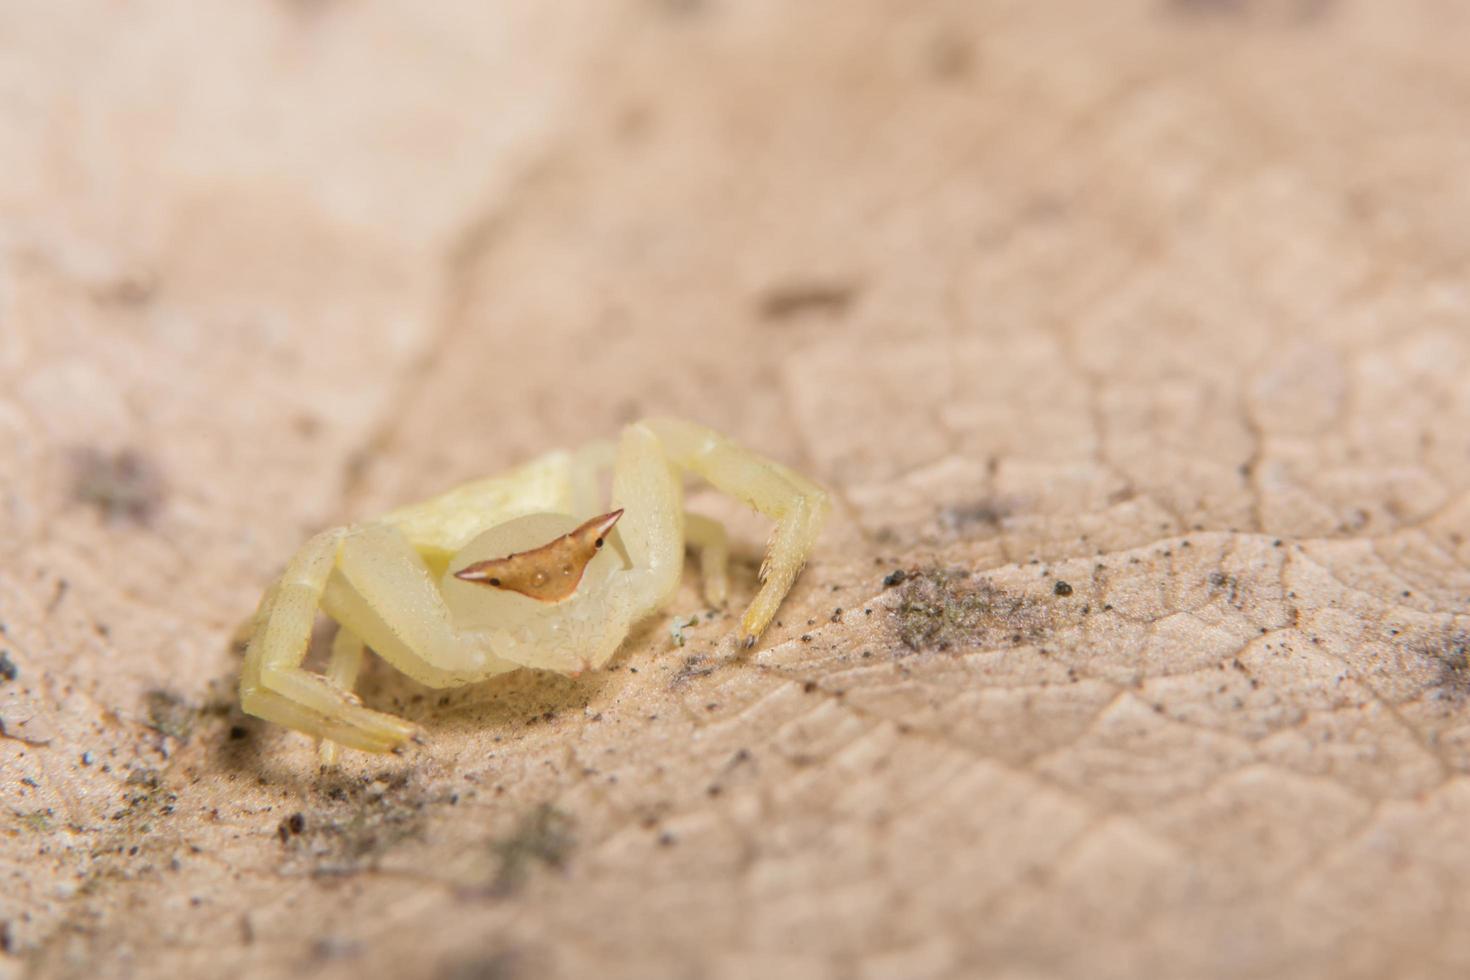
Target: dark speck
(896,577)
(8,670)
(1062,588)
(800,299)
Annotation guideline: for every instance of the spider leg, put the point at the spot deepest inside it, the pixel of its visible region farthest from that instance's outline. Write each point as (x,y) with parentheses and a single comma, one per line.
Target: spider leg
(273,684)
(796,504)
(707,536)
(384,593)
(585,472)
(648,488)
(342,671)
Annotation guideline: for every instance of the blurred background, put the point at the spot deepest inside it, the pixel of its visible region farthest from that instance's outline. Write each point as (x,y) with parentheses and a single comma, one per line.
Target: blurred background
(1023,283)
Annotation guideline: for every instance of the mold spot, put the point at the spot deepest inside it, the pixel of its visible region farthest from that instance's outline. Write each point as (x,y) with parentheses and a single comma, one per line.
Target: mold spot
(939,608)
(684,8)
(1449,656)
(36,821)
(360,819)
(542,837)
(1283,12)
(1219,582)
(169,713)
(951,57)
(964,519)
(125,486)
(137,828)
(326,948)
(504,965)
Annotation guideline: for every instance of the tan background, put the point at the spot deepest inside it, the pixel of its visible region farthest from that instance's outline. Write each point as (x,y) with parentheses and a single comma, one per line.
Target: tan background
(1166,300)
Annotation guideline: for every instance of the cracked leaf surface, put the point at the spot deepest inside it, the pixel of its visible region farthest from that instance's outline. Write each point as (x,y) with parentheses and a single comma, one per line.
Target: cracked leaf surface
(1139,339)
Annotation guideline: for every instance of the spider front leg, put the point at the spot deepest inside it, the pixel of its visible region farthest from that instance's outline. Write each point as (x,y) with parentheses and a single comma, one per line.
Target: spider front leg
(273,684)
(704,535)
(796,504)
(651,495)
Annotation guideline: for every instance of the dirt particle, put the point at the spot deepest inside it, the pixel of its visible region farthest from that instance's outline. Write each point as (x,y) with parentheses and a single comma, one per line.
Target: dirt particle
(62,587)
(796,299)
(1062,588)
(896,577)
(694,666)
(678,626)
(126,487)
(8,670)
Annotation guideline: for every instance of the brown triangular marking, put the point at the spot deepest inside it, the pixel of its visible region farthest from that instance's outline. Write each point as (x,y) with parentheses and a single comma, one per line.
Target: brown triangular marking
(549,573)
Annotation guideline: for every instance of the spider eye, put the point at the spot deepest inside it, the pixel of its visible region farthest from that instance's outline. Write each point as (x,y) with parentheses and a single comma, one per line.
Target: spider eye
(597,543)
(495,581)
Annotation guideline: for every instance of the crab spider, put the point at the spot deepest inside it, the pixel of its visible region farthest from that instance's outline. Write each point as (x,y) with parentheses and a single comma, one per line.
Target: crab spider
(520,570)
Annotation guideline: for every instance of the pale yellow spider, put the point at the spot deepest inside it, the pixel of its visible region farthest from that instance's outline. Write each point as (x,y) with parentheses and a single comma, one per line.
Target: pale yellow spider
(520,570)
